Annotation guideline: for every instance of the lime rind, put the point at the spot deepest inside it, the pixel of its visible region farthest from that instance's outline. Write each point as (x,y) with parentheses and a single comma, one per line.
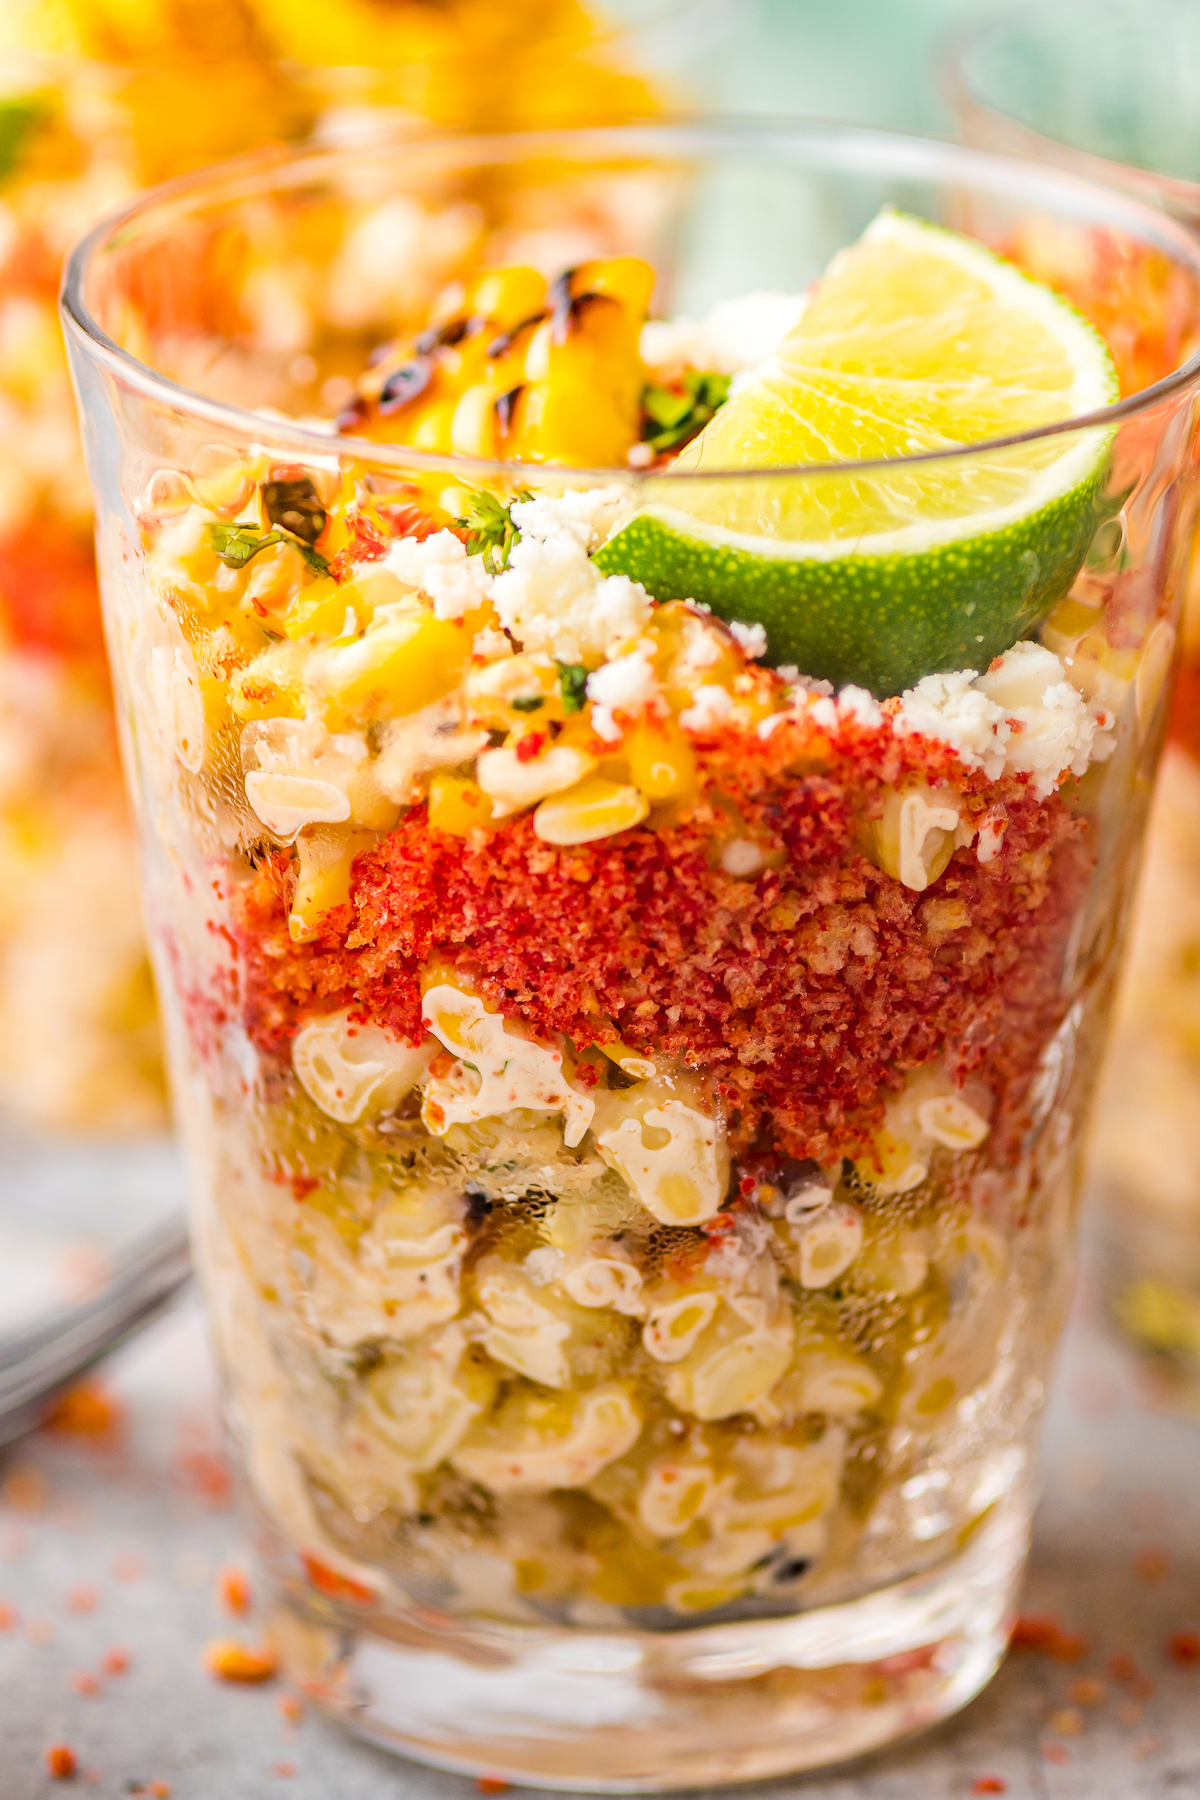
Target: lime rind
(951,588)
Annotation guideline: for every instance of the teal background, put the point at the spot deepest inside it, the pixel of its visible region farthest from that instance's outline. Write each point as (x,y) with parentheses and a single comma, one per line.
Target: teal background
(870,61)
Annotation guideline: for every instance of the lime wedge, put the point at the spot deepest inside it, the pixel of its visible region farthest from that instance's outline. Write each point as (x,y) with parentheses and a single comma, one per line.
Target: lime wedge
(916,341)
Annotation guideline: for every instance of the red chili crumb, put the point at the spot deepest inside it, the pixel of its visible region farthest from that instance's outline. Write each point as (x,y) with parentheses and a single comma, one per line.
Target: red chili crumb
(1044,1633)
(207,1474)
(812,990)
(129,1566)
(83,1598)
(234,1587)
(292,1708)
(527,747)
(989,1784)
(84,1682)
(285,1770)
(116,1660)
(1086,1691)
(336,1585)
(1183,1647)
(26,1490)
(492,1784)
(60,1760)
(9,1617)
(1055,1753)
(1066,1722)
(88,1410)
(231,1661)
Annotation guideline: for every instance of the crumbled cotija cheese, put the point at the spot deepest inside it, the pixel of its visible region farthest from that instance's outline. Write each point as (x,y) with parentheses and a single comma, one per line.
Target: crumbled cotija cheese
(976,714)
(735,335)
(440,567)
(587,515)
(553,598)
(627,684)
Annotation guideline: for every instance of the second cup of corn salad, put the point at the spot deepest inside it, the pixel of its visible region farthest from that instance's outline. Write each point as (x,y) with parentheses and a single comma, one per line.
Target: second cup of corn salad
(97,102)
(639,810)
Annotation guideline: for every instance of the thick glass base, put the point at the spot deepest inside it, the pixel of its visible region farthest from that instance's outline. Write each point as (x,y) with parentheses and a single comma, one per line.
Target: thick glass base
(618,1712)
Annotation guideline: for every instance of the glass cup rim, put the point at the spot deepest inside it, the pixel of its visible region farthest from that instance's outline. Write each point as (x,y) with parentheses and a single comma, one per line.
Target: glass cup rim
(1175,192)
(842,147)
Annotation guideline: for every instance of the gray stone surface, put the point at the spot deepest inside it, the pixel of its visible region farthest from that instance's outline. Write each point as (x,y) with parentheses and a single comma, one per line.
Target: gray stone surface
(146,1524)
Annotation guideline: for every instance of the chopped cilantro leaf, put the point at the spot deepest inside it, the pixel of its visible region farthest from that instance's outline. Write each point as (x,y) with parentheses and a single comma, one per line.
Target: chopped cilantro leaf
(672,415)
(572,679)
(236,544)
(490,529)
(528,703)
(17,119)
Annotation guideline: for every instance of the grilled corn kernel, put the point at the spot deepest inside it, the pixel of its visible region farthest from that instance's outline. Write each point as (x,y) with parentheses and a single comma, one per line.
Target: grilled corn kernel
(271,686)
(405,665)
(661,761)
(506,297)
(597,808)
(326,859)
(458,805)
(320,610)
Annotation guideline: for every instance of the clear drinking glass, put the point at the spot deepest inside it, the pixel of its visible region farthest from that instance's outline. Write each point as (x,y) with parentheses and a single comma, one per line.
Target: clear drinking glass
(1112,90)
(635,1259)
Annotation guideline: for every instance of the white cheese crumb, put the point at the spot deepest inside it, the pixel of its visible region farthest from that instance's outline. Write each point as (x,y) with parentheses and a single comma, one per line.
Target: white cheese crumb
(751,639)
(628,684)
(856,703)
(735,335)
(710,704)
(440,567)
(1022,717)
(554,599)
(588,516)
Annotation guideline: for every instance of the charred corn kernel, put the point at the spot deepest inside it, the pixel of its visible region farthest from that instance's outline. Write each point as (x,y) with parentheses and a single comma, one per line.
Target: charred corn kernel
(506,297)
(230,1661)
(320,610)
(473,427)
(458,805)
(914,839)
(271,686)
(597,808)
(661,761)
(405,665)
(624,278)
(277,577)
(326,859)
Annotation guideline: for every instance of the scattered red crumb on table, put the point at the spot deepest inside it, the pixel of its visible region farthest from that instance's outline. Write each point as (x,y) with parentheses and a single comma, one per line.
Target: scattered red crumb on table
(1042,1632)
(1183,1647)
(285,1770)
(234,1588)
(60,1760)
(83,1598)
(1087,1691)
(493,1784)
(84,1682)
(129,1566)
(231,1661)
(1055,1753)
(26,1490)
(206,1473)
(1066,1722)
(989,1784)
(292,1708)
(9,1617)
(116,1660)
(87,1411)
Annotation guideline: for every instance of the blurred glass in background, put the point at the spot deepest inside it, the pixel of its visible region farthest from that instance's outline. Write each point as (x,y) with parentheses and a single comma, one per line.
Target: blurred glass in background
(1112,88)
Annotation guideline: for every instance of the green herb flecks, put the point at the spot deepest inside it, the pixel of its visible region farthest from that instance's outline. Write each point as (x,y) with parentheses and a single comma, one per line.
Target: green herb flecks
(18,119)
(236,544)
(490,529)
(671,416)
(572,679)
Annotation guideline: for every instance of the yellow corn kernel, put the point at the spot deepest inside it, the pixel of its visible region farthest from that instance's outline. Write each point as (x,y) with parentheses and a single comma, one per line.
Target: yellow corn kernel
(326,858)
(271,687)
(505,297)
(473,427)
(407,664)
(433,429)
(914,839)
(624,278)
(596,808)
(661,761)
(458,805)
(319,610)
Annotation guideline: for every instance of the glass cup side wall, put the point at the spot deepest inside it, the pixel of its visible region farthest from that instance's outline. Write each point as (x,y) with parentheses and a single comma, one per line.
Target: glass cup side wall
(1112,90)
(79,1043)
(565,1471)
